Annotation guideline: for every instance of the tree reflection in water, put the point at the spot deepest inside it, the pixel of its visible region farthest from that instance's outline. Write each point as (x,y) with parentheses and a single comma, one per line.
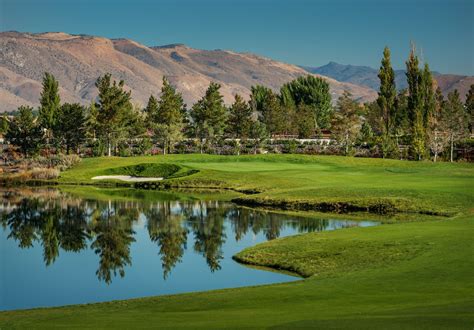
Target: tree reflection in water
(62,222)
(165,228)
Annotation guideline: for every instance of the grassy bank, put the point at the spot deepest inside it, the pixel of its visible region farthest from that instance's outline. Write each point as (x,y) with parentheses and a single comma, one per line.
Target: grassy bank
(409,274)
(318,183)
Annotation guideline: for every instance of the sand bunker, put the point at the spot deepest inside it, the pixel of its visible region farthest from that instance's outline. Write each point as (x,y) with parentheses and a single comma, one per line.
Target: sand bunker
(126,178)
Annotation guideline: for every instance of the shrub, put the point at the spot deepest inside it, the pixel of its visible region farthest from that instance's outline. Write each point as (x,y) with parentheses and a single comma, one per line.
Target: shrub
(39,173)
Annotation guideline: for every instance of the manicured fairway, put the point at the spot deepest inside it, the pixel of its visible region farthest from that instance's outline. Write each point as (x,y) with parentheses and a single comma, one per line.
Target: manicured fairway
(403,275)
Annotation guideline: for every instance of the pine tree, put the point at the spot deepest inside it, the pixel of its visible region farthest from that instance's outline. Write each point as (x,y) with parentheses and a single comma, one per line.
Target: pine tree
(258,134)
(71,126)
(415,106)
(24,131)
(240,118)
(113,103)
(272,115)
(168,118)
(387,92)
(209,115)
(151,109)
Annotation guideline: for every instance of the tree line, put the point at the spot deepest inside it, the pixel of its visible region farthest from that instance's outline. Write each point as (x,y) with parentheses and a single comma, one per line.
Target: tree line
(416,123)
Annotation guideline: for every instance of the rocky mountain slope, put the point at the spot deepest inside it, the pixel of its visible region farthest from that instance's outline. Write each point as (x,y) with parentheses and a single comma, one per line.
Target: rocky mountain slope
(77,61)
(367,76)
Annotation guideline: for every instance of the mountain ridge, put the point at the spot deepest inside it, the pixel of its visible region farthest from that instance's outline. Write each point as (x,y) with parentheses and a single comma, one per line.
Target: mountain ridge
(78,60)
(367,76)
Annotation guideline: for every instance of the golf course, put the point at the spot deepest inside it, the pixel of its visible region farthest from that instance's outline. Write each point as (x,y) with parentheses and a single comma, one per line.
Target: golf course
(415,270)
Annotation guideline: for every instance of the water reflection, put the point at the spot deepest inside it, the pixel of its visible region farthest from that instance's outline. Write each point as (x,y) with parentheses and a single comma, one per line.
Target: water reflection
(59,221)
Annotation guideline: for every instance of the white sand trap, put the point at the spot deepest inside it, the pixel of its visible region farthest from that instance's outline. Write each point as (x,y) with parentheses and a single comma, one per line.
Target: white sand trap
(126,178)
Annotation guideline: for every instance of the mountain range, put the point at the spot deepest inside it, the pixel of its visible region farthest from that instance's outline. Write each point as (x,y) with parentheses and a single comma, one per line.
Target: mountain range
(78,60)
(367,76)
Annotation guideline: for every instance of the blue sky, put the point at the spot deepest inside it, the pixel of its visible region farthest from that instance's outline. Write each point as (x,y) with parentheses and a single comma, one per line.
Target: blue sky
(295,31)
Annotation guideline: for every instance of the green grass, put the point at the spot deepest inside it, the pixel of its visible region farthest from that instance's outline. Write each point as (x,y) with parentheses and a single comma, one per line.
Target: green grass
(146,170)
(405,186)
(409,274)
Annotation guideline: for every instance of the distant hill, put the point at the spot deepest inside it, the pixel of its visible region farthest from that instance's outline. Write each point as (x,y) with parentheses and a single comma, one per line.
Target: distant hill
(78,60)
(367,76)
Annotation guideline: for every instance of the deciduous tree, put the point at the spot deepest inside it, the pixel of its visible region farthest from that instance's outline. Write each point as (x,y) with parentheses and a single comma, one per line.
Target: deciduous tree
(346,121)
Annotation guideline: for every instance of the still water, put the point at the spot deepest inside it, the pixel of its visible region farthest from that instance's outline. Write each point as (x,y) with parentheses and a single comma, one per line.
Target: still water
(57,248)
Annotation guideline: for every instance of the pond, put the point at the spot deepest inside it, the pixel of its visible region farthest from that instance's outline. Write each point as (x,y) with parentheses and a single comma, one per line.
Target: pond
(59,248)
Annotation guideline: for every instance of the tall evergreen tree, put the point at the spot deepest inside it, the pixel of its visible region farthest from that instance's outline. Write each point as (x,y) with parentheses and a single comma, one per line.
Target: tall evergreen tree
(209,115)
(113,102)
(71,125)
(24,131)
(151,109)
(387,92)
(273,115)
(168,120)
(240,118)
(415,106)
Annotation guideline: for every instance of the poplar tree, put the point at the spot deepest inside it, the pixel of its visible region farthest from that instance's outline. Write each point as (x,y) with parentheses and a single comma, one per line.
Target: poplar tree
(437,137)
(387,92)
(456,123)
(415,106)
(429,102)
(50,102)
(469,105)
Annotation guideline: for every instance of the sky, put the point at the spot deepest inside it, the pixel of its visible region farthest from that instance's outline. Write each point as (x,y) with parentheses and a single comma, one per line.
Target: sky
(302,32)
